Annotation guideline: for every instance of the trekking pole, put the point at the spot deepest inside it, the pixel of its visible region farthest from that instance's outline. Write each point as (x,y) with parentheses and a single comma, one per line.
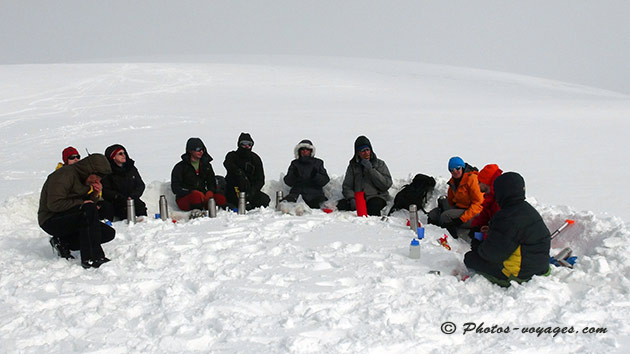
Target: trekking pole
(561,228)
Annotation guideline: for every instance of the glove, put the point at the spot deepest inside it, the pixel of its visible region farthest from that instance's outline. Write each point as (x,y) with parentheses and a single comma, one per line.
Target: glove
(474,244)
(243,184)
(353,204)
(471,233)
(366,163)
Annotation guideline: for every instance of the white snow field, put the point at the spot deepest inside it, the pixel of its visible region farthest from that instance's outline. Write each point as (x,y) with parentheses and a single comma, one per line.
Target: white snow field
(268,282)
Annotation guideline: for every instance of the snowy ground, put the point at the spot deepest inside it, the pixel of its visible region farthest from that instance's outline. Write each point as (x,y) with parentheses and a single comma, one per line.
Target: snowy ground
(319,283)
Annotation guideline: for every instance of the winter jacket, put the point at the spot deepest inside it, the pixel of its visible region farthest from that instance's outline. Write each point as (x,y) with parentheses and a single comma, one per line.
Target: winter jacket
(489,205)
(306,175)
(374,181)
(466,194)
(518,240)
(124,181)
(244,169)
(65,188)
(184,177)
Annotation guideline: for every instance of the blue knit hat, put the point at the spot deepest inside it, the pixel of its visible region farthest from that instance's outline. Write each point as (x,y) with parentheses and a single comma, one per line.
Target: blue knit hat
(455,162)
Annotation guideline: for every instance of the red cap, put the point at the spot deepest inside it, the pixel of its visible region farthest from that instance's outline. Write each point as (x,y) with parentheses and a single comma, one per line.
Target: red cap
(488,174)
(67,152)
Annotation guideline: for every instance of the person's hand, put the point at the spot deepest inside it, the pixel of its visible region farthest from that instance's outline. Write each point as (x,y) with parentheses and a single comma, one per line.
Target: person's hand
(353,204)
(97,186)
(366,163)
(88,201)
(243,184)
(485,229)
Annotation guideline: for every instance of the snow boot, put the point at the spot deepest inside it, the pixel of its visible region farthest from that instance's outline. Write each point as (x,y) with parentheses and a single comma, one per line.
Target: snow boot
(61,250)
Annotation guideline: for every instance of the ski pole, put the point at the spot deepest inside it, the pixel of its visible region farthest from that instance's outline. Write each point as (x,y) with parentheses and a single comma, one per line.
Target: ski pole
(561,228)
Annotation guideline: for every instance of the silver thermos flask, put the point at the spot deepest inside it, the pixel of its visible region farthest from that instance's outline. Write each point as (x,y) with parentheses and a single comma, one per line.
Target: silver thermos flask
(242,203)
(131,211)
(212,208)
(413,217)
(279,197)
(163,208)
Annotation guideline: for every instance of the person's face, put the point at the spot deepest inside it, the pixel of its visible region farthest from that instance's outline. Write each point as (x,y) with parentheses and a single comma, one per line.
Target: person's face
(484,188)
(72,159)
(91,179)
(457,172)
(305,152)
(120,158)
(197,153)
(365,153)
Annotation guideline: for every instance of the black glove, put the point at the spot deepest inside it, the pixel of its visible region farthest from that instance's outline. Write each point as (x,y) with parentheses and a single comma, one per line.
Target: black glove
(366,163)
(243,184)
(474,244)
(471,233)
(353,204)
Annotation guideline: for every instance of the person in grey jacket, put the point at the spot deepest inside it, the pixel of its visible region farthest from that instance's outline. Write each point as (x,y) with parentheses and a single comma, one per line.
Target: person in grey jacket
(366,173)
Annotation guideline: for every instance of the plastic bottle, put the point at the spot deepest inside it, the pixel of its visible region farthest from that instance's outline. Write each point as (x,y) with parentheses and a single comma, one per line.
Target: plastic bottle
(414,249)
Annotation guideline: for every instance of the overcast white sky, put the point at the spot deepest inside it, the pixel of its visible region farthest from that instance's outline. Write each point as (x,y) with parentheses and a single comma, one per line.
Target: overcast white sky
(585,42)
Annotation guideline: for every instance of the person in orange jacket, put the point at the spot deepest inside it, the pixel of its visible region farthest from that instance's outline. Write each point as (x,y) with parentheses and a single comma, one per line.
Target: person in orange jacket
(464,199)
(486,178)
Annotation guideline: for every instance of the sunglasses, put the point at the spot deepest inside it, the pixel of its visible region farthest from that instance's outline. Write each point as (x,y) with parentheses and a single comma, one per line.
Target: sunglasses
(365,150)
(198,149)
(74,157)
(247,146)
(122,153)
(456,168)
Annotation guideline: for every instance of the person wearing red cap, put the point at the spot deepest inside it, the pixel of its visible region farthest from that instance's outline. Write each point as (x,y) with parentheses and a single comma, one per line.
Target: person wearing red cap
(69,156)
(486,178)
(123,183)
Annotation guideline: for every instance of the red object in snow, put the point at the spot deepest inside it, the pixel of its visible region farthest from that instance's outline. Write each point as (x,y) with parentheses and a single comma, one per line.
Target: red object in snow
(409,223)
(359,198)
(327,211)
(444,242)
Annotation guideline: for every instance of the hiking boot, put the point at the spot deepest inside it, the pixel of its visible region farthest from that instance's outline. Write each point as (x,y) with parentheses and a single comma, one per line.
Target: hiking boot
(195,213)
(62,251)
(91,263)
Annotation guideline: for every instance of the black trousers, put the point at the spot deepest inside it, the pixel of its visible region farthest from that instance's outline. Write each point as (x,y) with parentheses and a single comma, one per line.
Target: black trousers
(79,228)
(313,203)
(254,199)
(473,261)
(374,205)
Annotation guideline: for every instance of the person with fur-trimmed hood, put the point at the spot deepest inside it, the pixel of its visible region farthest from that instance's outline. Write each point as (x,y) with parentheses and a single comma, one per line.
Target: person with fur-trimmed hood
(193,180)
(306,176)
(366,173)
(67,210)
(518,242)
(123,183)
(245,174)
(463,202)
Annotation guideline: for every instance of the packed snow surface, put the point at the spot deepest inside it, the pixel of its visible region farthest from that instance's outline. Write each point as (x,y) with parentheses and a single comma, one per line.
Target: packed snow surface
(269,282)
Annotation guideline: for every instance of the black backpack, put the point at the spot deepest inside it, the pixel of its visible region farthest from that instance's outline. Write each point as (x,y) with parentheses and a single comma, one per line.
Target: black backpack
(417,192)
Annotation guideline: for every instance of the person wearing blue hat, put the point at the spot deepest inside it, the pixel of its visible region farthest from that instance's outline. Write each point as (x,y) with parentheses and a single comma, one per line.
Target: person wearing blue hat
(463,202)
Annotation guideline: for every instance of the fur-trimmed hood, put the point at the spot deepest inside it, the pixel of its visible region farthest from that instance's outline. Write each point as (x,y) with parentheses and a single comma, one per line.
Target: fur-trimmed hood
(304,144)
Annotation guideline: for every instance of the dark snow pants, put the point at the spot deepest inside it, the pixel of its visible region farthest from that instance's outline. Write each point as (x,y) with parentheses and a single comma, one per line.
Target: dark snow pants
(79,228)
(312,202)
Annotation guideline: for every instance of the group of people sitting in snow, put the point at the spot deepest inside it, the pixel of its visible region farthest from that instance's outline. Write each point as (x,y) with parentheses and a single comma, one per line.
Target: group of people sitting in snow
(81,193)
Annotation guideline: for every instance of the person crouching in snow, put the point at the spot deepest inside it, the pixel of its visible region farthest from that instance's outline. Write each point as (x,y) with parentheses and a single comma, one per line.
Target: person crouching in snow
(193,180)
(124,182)
(518,242)
(486,178)
(245,173)
(463,201)
(366,173)
(67,210)
(306,176)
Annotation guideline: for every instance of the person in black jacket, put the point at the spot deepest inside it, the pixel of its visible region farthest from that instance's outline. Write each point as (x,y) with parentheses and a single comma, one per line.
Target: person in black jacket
(245,174)
(193,180)
(123,183)
(306,176)
(518,242)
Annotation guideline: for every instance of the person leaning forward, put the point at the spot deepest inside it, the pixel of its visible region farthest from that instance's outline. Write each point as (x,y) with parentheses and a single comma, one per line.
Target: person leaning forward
(67,210)
(193,180)
(518,242)
(365,173)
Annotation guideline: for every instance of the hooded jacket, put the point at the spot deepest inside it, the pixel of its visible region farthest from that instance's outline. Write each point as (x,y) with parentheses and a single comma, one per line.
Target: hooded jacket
(244,169)
(306,175)
(65,188)
(489,205)
(184,177)
(466,194)
(124,181)
(375,181)
(518,240)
